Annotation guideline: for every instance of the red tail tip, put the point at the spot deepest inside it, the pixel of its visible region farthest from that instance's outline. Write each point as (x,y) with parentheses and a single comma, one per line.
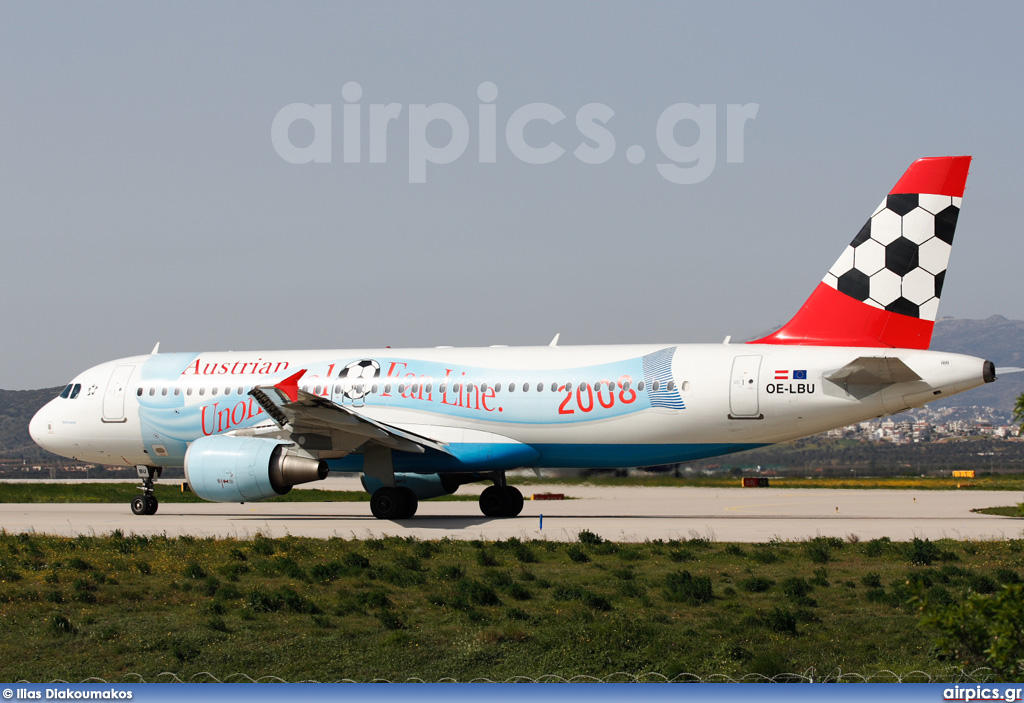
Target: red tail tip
(938,175)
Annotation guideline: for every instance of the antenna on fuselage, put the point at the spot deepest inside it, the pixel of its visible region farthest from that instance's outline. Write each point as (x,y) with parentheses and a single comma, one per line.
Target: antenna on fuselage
(554,342)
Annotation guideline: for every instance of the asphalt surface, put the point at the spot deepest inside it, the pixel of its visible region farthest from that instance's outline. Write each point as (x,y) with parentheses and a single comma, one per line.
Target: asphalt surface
(618,513)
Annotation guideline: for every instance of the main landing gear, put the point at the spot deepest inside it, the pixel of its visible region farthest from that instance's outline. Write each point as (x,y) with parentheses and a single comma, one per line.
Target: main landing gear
(393,503)
(146,504)
(501,501)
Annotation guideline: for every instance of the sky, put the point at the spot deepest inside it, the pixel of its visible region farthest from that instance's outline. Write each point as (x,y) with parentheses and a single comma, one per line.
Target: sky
(572,168)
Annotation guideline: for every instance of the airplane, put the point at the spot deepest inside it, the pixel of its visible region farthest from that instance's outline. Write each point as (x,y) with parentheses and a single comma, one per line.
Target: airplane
(419,423)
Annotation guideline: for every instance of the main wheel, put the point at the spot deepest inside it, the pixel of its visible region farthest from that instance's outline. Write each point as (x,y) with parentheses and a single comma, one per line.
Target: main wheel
(387,503)
(411,503)
(493,502)
(139,505)
(513,500)
(151,505)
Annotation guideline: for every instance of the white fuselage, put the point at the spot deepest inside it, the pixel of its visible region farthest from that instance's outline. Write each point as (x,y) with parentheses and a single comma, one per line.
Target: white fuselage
(591,406)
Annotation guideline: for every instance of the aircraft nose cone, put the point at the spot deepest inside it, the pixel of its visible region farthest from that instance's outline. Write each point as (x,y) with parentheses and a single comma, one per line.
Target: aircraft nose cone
(37,428)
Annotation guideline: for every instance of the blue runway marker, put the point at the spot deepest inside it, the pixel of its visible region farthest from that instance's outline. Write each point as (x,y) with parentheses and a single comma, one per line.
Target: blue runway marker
(542,521)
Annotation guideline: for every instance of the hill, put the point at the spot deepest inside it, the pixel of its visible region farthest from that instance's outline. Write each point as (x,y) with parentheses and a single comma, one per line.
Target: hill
(996,338)
(16,409)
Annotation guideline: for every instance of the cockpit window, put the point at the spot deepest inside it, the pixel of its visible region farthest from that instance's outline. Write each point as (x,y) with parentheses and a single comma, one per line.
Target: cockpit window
(76,390)
(67,391)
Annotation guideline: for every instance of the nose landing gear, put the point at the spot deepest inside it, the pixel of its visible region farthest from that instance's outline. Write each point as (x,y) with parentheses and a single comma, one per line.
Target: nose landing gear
(146,504)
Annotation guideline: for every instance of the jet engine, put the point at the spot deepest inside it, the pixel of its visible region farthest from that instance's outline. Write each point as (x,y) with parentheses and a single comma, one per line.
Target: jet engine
(240,469)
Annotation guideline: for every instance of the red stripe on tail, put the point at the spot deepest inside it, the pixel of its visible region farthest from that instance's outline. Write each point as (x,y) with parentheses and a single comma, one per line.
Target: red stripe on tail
(831,319)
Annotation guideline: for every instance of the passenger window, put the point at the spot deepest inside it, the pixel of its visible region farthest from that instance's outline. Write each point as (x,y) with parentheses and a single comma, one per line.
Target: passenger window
(497,388)
(512,387)
(387,387)
(316,390)
(401,388)
(188,391)
(227,390)
(415,388)
(177,391)
(684,386)
(625,386)
(671,385)
(428,387)
(554,386)
(139,392)
(240,390)
(640,385)
(655,386)
(213,391)
(152,391)
(568,388)
(337,389)
(483,387)
(374,388)
(202,391)
(456,388)
(76,390)
(163,391)
(526,387)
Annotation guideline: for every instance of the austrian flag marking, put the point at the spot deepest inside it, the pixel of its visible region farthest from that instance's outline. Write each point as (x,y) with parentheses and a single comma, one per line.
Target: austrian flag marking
(781,375)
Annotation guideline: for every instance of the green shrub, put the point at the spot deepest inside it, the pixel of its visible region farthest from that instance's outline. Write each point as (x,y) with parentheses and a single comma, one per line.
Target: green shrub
(872,580)
(390,620)
(756,584)
(981,630)
(588,537)
(477,592)
(922,551)
(682,586)
(62,626)
(780,620)
(576,553)
(194,571)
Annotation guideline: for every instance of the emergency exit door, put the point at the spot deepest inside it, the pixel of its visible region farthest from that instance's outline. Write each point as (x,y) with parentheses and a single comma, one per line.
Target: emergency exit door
(743,401)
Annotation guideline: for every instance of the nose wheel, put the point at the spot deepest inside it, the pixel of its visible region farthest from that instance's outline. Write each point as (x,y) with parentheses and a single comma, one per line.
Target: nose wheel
(146,503)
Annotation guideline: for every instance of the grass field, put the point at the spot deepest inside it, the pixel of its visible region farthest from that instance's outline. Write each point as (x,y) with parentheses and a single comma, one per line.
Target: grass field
(115,492)
(296,608)
(1000,482)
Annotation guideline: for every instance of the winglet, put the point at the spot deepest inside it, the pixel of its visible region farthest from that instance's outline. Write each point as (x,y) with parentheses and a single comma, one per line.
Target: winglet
(290,386)
(554,342)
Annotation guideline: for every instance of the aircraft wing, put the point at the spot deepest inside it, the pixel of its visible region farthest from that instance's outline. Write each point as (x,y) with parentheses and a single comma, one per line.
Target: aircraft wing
(319,425)
(868,374)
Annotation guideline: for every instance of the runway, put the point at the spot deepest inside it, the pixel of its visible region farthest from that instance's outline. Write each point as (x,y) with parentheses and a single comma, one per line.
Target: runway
(616,513)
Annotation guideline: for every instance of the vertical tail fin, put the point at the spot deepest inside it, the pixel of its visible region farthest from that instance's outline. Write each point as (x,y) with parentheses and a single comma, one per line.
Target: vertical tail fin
(884,290)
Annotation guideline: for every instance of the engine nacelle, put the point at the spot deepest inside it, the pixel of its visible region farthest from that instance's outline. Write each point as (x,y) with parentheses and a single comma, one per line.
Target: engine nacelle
(240,469)
(425,486)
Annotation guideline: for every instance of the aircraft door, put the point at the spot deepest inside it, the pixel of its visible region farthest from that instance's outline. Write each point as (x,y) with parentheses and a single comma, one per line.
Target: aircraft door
(743,388)
(113,398)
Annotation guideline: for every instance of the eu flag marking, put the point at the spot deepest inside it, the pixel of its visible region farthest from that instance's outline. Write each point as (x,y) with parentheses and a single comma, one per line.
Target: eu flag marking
(800,375)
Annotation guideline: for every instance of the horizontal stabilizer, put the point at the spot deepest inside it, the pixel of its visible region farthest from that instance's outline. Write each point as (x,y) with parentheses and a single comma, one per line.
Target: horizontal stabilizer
(869,374)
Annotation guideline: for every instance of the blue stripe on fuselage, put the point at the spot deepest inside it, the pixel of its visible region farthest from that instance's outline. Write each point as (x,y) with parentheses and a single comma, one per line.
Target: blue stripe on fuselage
(569,456)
